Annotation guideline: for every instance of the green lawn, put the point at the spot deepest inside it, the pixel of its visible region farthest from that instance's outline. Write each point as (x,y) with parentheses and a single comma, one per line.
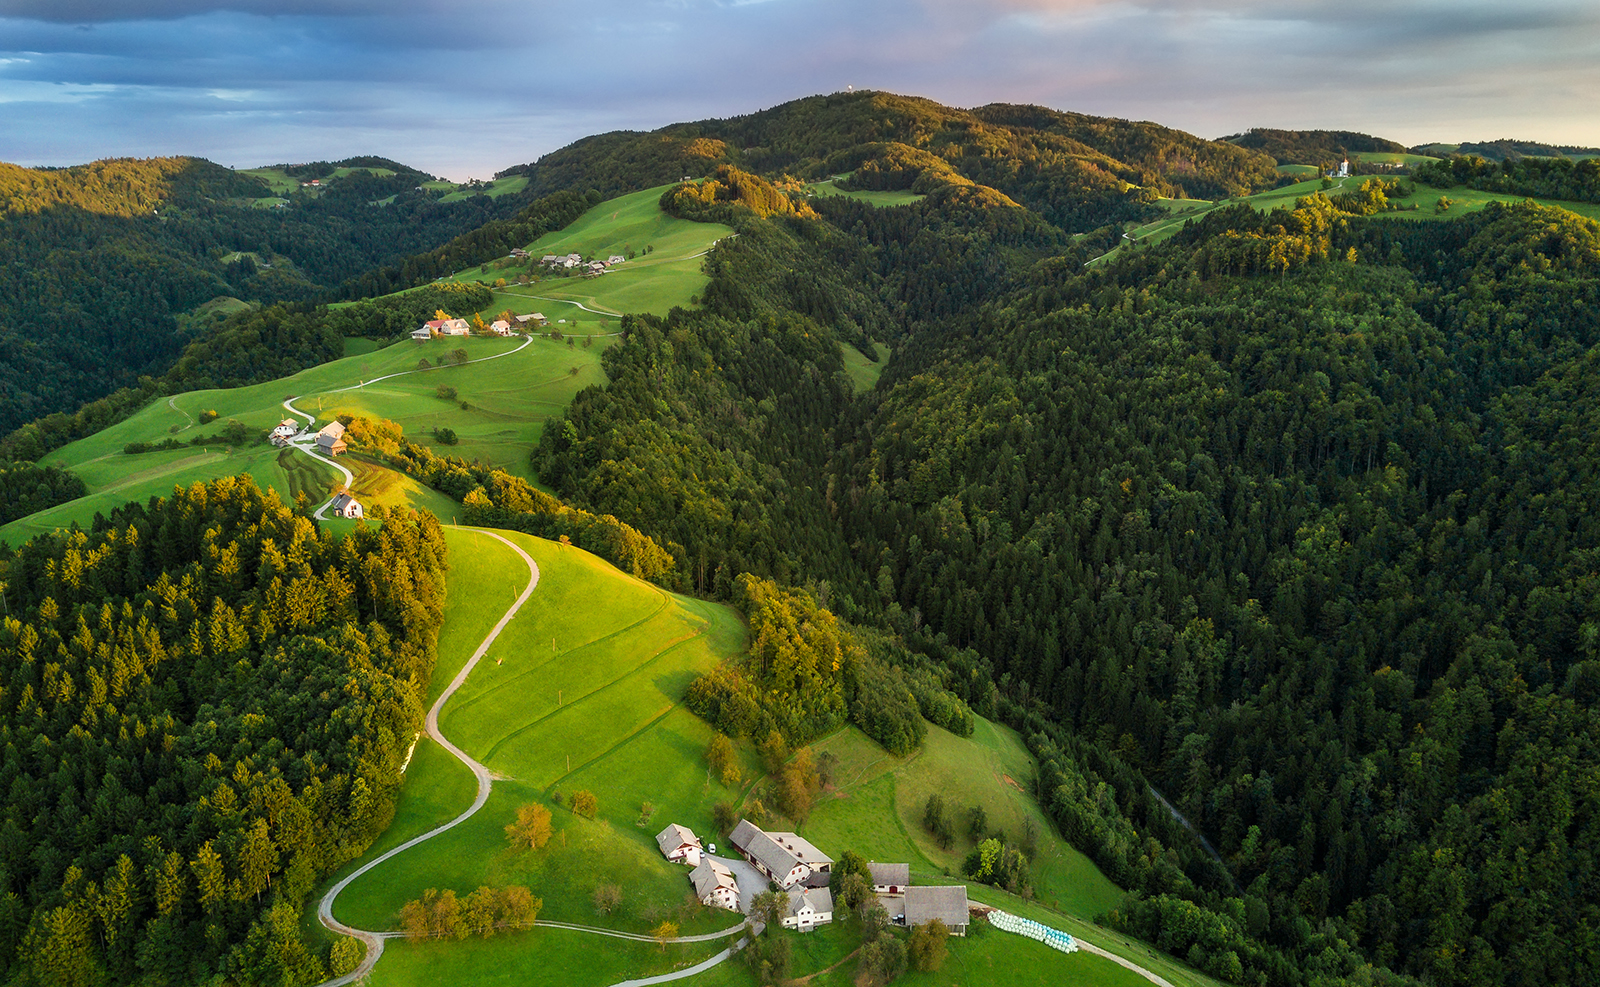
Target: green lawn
(360,345)
(509,399)
(604,696)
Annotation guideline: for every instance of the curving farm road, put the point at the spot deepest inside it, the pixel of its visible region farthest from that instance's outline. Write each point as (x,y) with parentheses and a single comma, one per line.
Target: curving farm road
(374,940)
(308,444)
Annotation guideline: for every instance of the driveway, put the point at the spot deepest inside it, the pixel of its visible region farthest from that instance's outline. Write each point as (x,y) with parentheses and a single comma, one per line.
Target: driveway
(751,881)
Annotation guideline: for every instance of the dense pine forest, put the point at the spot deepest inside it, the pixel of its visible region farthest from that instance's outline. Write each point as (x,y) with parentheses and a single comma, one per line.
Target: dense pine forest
(204,708)
(1275,540)
(1284,518)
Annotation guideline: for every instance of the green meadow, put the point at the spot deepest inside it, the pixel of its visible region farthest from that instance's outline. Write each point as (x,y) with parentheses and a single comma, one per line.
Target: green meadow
(507,400)
(668,275)
(1424,197)
(895,197)
(580,691)
(494,189)
(863,372)
(1466,200)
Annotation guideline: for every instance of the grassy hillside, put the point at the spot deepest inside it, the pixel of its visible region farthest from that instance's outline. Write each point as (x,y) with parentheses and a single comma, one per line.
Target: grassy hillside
(508,400)
(886,197)
(604,697)
(1180,211)
(581,692)
(668,275)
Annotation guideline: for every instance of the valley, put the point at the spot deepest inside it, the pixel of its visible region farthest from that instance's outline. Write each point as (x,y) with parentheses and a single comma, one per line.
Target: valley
(1136,533)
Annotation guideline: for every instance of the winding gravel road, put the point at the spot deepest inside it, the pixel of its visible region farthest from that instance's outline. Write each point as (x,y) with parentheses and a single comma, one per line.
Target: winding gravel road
(374,940)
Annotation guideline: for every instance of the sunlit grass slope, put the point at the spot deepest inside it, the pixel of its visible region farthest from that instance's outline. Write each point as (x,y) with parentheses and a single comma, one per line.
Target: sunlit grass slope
(508,400)
(1180,211)
(589,673)
(668,275)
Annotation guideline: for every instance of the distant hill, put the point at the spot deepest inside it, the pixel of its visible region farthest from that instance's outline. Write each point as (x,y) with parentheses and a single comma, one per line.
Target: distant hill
(1506,149)
(1078,171)
(99,261)
(1312,147)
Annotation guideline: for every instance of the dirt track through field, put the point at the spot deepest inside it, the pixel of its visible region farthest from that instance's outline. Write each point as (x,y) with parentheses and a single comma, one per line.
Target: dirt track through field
(374,940)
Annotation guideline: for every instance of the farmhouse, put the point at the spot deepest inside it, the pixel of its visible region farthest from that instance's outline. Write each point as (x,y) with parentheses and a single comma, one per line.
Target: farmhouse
(535,319)
(500,327)
(345,505)
(679,843)
(615,259)
(549,260)
(423,334)
(286,428)
(331,439)
(768,856)
(450,327)
(818,863)
(518,253)
(714,885)
(809,909)
(890,879)
(947,904)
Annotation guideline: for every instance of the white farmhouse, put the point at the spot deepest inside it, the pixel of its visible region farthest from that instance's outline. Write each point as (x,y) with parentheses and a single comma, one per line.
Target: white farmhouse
(715,885)
(808,908)
(889,879)
(679,843)
(345,505)
(783,862)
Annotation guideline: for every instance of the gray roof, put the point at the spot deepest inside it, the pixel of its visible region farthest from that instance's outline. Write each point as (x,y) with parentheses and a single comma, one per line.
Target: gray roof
(709,876)
(341,501)
(947,904)
(820,900)
(675,836)
(747,836)
(898,875)
(801,849)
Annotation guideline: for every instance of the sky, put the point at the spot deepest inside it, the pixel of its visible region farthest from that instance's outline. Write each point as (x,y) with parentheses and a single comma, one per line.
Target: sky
(466,89)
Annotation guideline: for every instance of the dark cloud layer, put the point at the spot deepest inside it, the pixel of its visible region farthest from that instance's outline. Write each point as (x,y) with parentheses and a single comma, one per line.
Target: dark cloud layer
(467,90)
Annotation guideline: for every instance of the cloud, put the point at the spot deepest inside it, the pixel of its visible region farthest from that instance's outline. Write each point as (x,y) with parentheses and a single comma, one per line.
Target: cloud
(460,90)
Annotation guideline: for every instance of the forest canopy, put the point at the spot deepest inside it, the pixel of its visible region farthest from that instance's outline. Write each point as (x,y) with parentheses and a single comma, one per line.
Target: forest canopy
(205,705)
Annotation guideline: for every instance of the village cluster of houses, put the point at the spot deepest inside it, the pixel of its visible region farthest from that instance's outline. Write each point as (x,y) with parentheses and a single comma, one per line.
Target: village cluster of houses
(329,441)
(794,865)
(568,262)
(461,327)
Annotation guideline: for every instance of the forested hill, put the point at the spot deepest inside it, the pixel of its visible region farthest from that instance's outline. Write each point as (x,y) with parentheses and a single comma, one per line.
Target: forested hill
(1312,147)
(205,707)
(99,262)
(1077,170)
(1287,517)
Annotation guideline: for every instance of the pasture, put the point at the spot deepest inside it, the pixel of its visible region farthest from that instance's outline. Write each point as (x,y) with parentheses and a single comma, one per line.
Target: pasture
(894,197)
(581,690)
(863,372)
(1424,197)
(494,189)
(668,274)
(508,400)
